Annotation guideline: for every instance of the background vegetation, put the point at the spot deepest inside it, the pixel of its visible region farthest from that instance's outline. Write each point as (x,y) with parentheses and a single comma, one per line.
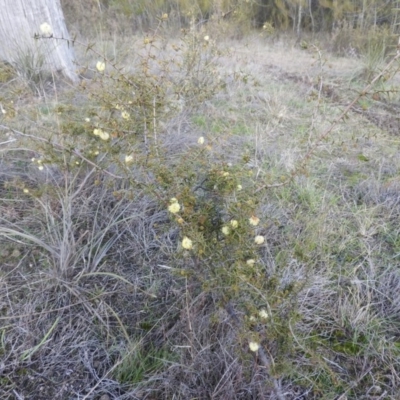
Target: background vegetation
(297,15)
(212,213)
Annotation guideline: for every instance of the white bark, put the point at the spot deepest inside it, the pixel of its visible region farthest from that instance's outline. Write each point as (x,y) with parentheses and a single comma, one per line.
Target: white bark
(20,21)
(299,20)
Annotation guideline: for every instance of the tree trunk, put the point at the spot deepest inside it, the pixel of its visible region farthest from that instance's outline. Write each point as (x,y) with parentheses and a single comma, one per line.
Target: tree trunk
(300,14)
(20,21)
(310,9)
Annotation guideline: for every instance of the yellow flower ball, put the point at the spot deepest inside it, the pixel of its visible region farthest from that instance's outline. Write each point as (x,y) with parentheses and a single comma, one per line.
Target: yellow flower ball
(254,346)
(128,159)
(250,262)
(125,115)
(226,230)
(263,314)
(200,140)
(259,239)
(45,29)
(187,243)
(104,135)
(100,66)
(234,224)
(254,220)
(174,208)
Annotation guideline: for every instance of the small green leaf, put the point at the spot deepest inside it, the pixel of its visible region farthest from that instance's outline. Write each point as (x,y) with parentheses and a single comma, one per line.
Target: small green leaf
(361,157)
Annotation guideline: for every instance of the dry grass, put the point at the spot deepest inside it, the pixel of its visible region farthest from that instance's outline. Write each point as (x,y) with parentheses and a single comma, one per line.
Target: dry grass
(93,301)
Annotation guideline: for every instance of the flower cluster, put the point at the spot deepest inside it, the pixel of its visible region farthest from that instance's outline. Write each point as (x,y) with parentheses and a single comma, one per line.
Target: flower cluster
(39,163)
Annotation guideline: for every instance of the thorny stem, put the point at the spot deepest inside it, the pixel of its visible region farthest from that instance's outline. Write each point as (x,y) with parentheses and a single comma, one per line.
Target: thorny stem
(326,133)
(61,147)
